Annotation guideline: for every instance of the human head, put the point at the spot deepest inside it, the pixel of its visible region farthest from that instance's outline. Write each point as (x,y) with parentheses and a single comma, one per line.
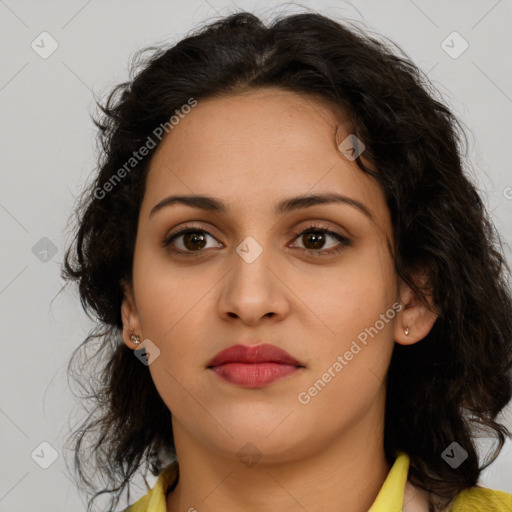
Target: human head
(441,241)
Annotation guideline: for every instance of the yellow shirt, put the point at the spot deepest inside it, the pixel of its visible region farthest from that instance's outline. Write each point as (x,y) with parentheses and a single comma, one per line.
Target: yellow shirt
(390,497)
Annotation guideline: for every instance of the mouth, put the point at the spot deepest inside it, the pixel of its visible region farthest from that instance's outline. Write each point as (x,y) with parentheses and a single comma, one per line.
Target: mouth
(254,366)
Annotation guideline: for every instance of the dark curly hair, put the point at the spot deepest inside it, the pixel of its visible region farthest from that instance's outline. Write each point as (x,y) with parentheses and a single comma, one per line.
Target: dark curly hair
(442,389)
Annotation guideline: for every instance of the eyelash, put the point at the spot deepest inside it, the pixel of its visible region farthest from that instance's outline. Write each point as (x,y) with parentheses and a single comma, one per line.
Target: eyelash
(345,242)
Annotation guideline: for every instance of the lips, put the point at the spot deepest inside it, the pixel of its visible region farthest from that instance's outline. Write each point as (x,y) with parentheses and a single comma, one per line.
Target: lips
(253,366)
(263,353)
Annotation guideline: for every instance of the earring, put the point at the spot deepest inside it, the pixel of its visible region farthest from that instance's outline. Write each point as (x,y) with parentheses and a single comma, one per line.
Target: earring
(134,339)
(406,331)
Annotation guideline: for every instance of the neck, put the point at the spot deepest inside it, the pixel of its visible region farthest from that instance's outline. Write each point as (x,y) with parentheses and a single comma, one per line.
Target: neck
(346,474)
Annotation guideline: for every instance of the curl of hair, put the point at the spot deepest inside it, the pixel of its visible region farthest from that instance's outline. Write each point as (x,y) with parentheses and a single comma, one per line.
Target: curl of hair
(439,390)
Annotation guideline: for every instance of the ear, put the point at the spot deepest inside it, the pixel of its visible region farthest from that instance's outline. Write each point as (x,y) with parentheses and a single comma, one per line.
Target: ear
(130,316)
(415,318)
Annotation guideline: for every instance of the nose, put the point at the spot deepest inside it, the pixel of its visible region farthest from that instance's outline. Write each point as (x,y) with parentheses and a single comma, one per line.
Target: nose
(253,290)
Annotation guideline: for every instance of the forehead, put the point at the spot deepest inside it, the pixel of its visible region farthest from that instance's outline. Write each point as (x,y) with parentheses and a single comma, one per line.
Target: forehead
(255,148)
(266,121)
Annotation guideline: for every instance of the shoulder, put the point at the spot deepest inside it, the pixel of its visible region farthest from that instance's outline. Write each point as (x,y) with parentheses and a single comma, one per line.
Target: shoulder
(154,500)
(476,499)
(140,505)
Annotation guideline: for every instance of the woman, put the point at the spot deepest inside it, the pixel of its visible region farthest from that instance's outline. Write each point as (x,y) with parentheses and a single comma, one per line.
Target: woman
(282,233)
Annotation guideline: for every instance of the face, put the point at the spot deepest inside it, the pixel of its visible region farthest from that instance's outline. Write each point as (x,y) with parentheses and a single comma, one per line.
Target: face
(245,274)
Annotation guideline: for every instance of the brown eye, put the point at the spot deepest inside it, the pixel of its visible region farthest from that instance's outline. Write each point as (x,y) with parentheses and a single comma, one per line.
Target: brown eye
(314,239)
(193,240)
(189,240)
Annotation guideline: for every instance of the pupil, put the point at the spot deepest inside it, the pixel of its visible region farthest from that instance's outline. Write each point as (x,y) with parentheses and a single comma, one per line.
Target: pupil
(316,239)
(197,241)
(190,241)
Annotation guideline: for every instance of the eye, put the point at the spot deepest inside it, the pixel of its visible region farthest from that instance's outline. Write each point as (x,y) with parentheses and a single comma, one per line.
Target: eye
(315,237)
(194,240)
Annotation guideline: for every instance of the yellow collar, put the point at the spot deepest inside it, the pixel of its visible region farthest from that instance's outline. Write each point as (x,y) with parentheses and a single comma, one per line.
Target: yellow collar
(391,494)
(390,497)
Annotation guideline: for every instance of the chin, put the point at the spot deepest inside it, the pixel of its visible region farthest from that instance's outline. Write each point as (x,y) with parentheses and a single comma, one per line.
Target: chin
(263,449)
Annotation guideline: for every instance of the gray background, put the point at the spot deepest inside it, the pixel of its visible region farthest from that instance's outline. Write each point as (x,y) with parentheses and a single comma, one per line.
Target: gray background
(48,152)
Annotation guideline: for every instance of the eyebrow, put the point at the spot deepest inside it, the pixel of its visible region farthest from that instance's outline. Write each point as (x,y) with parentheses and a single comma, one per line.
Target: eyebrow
(212,204)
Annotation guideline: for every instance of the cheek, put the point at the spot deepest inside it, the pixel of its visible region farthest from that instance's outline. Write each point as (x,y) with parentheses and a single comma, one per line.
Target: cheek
(358,313)
(351,297)
(173,304)
(350,370)
(164,293)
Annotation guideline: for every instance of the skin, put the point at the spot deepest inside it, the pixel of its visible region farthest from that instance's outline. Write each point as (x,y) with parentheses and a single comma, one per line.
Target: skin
(252,150)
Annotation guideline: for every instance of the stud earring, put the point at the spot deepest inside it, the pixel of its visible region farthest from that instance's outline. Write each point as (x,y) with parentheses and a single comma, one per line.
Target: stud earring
(134,338)
(406,331)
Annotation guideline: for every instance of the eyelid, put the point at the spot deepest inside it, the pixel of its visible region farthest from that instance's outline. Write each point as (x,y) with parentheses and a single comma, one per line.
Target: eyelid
(202,225)
(189,225)
(296,233)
